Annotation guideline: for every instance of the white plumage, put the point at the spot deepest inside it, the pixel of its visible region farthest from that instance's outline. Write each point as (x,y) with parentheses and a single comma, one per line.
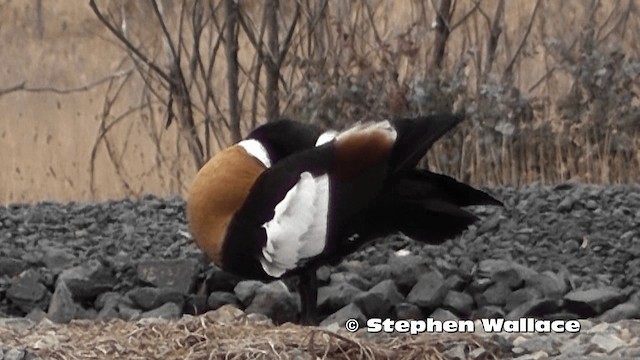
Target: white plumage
(299,226)
(257,150)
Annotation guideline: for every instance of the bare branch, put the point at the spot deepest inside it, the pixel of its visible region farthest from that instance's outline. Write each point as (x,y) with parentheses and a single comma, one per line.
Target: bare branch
(127,43)
(509,69)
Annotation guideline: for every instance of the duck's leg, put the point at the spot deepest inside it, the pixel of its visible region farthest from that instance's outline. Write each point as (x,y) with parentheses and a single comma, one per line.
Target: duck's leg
(308,287)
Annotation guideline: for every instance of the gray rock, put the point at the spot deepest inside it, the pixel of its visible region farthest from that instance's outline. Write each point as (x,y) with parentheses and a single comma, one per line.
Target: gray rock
(378,301)
(429,291)
(335,296)
(219,298)
(109,298)
(179,274)
(458,302)
(27,292)
(11,267)
(488,312)
(148,298)
(167,311)
(455,282)
(456,352)
(495,294)
(128,313)
(349,278)
(548,284)
(441,314)
(628,310)
(406,270)
(607,343)
(15,354)
(505,271)
(534,308)
(478,285)
(36,315)
(57,259)
(88,280)
(341,316)
(520,297)
(592,302)
(275,301)
(407,311)
(62,309)
(246,290)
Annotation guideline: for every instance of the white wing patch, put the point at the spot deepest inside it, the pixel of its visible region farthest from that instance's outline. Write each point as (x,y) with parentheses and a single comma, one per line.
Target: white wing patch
(254,148)
(298,229)
(326,136)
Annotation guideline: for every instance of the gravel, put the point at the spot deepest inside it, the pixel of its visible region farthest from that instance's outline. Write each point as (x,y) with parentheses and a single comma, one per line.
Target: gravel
(570,250)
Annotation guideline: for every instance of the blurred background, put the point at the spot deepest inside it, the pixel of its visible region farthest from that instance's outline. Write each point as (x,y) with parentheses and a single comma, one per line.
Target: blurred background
(114,98)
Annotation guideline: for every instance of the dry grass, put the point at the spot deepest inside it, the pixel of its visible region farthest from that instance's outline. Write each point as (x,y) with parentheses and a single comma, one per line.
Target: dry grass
(226,334)
(555,101)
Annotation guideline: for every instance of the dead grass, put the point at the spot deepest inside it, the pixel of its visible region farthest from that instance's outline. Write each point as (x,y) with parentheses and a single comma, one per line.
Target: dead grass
(556,100)
(225,334)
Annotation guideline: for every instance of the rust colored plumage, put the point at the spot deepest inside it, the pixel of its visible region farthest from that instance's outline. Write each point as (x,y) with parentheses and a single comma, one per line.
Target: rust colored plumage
(218,191)
(363,147)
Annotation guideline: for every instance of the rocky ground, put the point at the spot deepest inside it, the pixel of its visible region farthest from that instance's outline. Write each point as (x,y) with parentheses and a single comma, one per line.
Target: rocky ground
(563,252)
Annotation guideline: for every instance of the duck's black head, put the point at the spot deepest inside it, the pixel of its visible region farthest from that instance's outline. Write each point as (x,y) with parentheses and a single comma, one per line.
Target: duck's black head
(284,137)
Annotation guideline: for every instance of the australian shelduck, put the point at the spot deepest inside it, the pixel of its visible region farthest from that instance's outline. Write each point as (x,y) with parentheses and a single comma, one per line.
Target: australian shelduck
(290,197)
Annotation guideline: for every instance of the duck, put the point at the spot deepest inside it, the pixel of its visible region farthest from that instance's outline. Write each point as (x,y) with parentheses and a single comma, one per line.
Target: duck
(291,197)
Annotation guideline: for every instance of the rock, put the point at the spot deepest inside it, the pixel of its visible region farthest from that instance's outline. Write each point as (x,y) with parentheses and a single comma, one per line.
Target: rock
(378,301)
(128,313)
(488,312)
(505,271)
(148,298)
(88,280)
(429,291)
(607,343)
(441,314)
(11,267)
(478,285)
(455,282)
(57,259)
(106,299)
(15,354)
(588,303)
(456,352)
(548,284)
(27,292)
(628,310)
(495,294)
(179,274)
(534,308)
(219,298)
(275,301)
(246,290)
(406,270)
(218,280)
(458,302)
(62,309)
(378,273)
(521,296)
(349,278)
(36,315)
(341,316)
(167,311)
(225,314)
(407,311)
(336,296)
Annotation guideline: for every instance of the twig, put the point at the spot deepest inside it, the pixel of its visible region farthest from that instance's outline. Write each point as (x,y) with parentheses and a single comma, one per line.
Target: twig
(509,69)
